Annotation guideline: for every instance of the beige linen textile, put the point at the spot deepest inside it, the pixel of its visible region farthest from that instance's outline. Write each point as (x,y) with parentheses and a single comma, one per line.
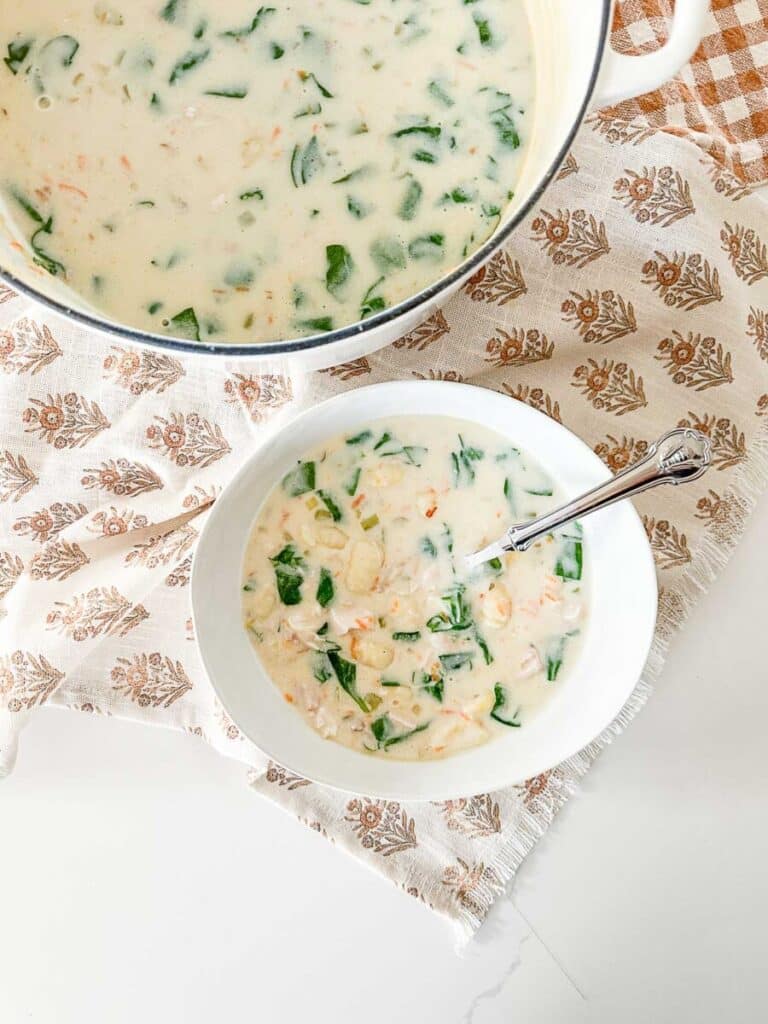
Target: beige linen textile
(633,299)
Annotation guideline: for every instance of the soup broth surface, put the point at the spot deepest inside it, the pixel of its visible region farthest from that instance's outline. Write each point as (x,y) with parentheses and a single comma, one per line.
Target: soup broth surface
(357,600)
(245,172)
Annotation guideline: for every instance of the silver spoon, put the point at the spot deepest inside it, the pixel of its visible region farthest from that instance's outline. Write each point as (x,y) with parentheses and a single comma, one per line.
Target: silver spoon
(676,458)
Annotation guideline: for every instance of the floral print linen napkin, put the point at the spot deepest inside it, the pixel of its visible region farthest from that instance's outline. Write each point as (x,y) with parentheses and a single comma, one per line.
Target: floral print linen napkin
(634,298)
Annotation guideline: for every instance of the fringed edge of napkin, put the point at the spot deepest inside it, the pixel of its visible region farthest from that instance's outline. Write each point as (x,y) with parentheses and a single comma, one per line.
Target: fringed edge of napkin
(749,482)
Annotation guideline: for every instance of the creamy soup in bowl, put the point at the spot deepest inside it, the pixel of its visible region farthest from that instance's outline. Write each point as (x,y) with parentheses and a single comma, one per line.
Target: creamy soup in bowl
(610,611)
(245,172)
(358,602)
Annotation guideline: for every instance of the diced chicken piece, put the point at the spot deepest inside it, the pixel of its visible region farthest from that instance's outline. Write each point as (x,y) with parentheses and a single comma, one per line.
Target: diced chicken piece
(386,474)
(325,724)
(497,606)
(332,537)
(455,729)
(479,706)
(530,664)
(291,643)
(365,563)
(262,602)
(370,651)
(345,618)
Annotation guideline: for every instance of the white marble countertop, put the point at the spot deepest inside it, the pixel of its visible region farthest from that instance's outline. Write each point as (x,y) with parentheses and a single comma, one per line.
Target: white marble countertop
(142,880)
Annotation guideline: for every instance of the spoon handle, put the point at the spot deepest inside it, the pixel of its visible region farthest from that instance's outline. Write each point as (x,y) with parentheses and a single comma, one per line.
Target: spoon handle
(676,458)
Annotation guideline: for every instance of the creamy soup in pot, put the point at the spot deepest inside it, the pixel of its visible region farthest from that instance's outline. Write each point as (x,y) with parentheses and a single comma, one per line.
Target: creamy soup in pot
(245,172)
(357,599)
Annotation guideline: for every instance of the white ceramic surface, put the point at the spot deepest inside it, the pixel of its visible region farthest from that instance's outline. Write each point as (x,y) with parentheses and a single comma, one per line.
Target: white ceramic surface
(618,633)
(575,69)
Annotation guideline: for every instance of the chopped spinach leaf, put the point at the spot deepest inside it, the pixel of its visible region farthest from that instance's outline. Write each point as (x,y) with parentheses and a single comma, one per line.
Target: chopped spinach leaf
(500,702)
(361,438)
(427,547)
(325,589)
(331,505)
(410,201)
(186,325)
(190,60)
(346,673)
(300,480)
(384,734)
(351,485)
(289,575)
(250,28)
(18,51)
(570,560)
(339,267)
(407,637)
(454,662)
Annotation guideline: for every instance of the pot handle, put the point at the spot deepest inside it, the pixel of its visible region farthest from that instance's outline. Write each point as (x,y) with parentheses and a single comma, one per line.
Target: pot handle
(623,77)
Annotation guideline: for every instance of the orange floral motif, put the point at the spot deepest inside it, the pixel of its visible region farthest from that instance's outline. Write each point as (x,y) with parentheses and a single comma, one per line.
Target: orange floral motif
(11,567)
(113,523)
(599,316)
(726,184)
(433,329)
(617,130)
(27,680)
(499,281)
(694,361)
(670,547)
(188,439)
(757,329)
(381,825)
(656,197)
(610,386)
(102,611)
(617,453)
(225,723)
(518,347)
(57,561)
(537,398)
(568,167)
(724,514)
(348,371)
(747,253)
(6,294)
(180,576)
(123,478)
(65,421)
(279,776)
(258,394)
(476,817)
(684,282)
(472,885)
(142,372)
(534,789)
(16,478)
(150,680)
(762,406)
(200,497)
(570,239)
(452,375)
(163,548)
(729,446)
(27,347)
(48,522)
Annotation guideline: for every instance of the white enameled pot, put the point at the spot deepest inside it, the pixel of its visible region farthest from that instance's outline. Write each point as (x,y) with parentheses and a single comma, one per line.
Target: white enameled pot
(576,71)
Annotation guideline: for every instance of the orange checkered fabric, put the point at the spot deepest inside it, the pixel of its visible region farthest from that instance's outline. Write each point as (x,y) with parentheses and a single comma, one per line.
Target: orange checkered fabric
(720,99)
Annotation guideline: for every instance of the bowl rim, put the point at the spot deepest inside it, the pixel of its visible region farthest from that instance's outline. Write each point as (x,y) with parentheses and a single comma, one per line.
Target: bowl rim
(287,346)
(645,607)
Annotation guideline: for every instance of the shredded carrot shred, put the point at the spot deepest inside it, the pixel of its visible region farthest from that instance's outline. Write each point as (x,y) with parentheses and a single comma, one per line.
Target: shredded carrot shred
(66,187)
